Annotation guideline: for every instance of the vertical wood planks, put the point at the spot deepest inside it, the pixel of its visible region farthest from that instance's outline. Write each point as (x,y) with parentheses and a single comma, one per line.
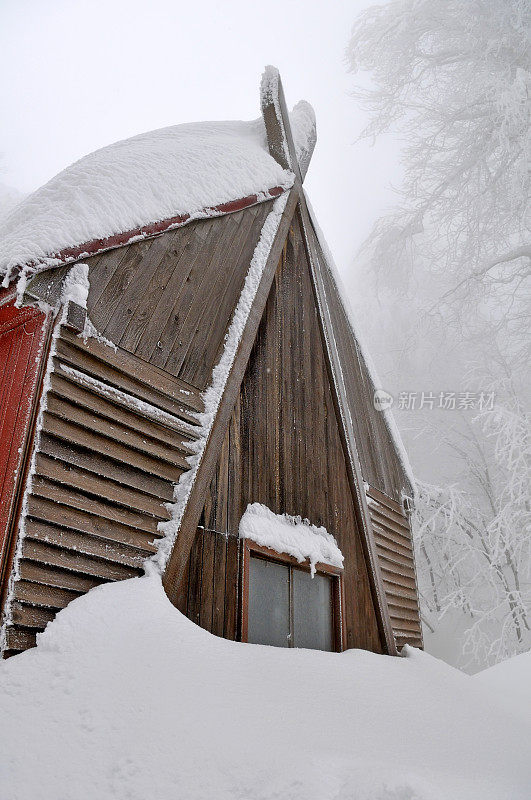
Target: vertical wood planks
(283,449)
(22,338)
(169,299)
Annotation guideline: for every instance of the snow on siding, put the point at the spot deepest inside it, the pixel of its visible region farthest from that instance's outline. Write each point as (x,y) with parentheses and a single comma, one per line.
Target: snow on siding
(292,535)
(212,396)
(76,285)
(129,401)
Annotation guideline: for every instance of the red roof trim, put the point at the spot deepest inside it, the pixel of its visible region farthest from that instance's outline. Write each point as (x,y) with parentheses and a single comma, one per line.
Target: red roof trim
(156,228)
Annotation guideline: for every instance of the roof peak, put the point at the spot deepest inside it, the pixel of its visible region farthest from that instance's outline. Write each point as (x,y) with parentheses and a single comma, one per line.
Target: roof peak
(144,184)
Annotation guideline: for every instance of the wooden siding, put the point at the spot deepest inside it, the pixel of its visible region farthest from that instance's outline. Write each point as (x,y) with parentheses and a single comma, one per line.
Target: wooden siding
(379,460)
(114,440)
(395,552)
(119,425)
(168,300)
(283,449)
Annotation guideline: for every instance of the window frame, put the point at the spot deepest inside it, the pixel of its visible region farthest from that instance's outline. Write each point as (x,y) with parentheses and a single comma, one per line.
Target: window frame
(251,548)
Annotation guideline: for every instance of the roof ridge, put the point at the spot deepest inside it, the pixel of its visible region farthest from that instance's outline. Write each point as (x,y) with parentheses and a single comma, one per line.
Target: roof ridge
(96,246)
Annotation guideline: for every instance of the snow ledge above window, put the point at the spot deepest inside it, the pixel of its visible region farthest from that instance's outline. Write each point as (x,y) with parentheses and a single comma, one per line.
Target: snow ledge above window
(294,536)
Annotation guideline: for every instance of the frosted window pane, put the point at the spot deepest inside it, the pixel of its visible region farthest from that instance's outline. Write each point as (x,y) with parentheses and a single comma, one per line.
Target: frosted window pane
(312,611)
(268,603)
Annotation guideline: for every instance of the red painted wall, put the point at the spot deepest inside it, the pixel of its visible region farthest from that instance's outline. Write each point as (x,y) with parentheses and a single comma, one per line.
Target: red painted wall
(22,335)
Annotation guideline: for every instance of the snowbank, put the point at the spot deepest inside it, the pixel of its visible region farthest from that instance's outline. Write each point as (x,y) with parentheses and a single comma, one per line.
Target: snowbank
(126,698)
(509,684)
(292,535)
(176,171)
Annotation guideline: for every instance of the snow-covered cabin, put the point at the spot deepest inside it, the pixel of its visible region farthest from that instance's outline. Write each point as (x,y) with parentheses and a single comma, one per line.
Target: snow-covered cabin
(181,384)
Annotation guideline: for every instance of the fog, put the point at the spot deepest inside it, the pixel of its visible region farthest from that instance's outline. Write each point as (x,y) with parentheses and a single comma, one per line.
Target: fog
(78,76)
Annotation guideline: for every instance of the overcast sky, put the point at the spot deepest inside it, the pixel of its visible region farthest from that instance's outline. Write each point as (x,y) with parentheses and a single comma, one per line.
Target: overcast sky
(80,74)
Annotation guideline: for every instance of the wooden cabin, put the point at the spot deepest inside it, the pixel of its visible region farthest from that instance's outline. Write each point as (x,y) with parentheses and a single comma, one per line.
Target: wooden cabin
(213,366)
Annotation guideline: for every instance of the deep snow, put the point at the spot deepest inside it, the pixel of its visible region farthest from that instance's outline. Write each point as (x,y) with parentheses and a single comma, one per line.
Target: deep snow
(126,698)
(510,683)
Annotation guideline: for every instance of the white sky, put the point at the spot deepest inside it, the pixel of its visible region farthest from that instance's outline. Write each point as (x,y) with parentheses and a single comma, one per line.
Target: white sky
(80,74)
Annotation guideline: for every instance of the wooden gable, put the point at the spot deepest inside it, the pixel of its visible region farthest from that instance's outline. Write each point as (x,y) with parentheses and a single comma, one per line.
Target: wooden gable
(283,449)
(369,451)
(117,424)
(168,300)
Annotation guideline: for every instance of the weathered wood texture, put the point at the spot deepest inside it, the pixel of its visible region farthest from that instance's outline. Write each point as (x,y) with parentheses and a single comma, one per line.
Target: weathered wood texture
(23,335)
(114,440)
(379,460)
(283,449)
(168,300)
(395,552)
(191,515)
(119,425)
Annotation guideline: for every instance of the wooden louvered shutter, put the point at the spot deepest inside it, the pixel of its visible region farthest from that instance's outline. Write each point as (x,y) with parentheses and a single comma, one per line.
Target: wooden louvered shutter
(392,536)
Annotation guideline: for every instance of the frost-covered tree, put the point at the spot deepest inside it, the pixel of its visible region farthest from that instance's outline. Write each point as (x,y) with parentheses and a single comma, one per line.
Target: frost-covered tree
(451,266)
(454,78)
(473,537)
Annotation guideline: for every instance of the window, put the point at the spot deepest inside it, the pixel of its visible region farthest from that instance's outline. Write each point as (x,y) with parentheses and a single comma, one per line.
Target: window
(284,606)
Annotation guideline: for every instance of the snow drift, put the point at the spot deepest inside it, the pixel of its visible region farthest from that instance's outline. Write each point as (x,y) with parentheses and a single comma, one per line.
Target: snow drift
(126,698)
(509,683)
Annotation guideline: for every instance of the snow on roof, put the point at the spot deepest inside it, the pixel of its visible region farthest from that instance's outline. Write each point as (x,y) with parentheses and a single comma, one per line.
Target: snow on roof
(9,197)
(292,535)
(183,170)
(124,697)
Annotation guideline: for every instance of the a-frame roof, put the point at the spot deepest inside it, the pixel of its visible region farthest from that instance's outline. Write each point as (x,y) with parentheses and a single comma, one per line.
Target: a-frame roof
(352,383)
(135,270)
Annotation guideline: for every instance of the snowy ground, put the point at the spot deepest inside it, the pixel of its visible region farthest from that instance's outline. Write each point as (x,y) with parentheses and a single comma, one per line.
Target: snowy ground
(510,684)
(126,698)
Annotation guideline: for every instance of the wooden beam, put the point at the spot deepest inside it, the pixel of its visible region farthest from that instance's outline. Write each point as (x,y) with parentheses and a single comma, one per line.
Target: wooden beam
(74,317)
(183,544)
(270,92)
(317,263)
(277,123)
